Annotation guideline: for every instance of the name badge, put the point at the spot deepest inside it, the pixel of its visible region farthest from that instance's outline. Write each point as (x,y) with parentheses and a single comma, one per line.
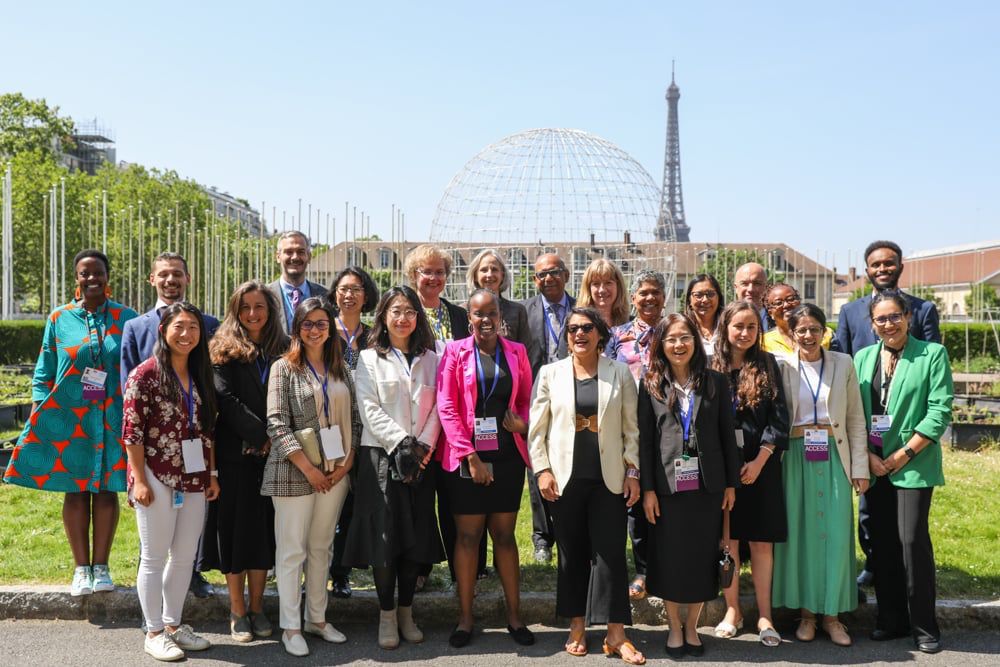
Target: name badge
(686,473)
(194,455)
(487,438)
(332,442)
(739,438)
(817,443)
(177,499)
(93,383)
(881,423)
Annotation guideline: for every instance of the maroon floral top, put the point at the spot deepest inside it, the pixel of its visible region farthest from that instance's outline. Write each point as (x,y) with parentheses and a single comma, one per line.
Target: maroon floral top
(158,424)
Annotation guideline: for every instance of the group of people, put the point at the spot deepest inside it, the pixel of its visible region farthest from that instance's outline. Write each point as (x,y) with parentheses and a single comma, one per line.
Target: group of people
(294,436)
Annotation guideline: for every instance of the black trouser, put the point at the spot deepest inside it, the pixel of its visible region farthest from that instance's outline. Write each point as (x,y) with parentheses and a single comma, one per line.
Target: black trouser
(542,533)
(864,533)
(338,571)
(593,573)
(446,522)
(904,572)
(638,529)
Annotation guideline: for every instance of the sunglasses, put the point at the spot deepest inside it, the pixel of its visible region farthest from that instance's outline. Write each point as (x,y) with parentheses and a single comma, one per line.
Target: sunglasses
(585,328)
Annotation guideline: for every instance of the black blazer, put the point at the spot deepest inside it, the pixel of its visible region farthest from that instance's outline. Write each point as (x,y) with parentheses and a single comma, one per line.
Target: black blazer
(538,352)
(661,439)
(768,422)
(242,410)
(459,320)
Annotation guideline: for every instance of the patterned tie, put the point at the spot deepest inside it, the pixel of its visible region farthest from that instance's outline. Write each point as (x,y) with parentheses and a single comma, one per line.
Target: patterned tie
(553,348)
(296,297)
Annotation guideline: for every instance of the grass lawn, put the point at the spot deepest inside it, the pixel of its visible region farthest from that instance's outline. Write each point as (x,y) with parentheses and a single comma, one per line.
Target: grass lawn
(963,526)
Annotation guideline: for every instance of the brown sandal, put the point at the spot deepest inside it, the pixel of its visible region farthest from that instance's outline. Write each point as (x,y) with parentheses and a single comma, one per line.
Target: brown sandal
(580,644)
(631,658)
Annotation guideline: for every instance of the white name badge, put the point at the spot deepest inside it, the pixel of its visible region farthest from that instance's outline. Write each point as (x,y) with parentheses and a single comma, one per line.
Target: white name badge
(332,442)
(817,444)
(881,423)
(739,438)
(194,455)
(94,377)
(177,499)
(686,473)
(487,435)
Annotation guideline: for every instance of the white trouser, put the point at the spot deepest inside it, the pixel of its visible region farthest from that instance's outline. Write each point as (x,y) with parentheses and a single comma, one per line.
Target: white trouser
(304,527)
(165,531)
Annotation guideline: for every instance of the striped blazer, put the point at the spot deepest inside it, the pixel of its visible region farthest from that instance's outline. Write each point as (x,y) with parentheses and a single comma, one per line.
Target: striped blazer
(291,405)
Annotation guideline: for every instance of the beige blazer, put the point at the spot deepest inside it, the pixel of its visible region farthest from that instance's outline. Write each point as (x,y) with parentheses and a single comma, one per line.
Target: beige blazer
(847,414)
(553,421)
(395,401)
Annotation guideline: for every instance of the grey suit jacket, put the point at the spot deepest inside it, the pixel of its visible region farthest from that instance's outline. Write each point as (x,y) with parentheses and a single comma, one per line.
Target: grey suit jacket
(315,289)
(538,353)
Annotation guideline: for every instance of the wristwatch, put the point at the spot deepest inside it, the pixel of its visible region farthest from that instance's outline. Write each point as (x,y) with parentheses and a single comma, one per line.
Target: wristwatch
(214,473)
(909,452)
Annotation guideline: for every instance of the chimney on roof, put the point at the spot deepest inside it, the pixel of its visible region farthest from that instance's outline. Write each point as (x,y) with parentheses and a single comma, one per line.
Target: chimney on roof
(628,238)
(852,274)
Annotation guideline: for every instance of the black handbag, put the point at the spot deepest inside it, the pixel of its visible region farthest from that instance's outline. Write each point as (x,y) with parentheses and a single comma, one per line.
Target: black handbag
(404,462)
(726,568)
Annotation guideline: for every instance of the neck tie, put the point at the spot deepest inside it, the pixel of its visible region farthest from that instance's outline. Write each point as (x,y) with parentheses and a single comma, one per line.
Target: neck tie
(296,297)
(553,345)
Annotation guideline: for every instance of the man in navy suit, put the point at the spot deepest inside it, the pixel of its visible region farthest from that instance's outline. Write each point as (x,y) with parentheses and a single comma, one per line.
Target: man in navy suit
(292,288)
(170,277)
(883,266)
(547,315)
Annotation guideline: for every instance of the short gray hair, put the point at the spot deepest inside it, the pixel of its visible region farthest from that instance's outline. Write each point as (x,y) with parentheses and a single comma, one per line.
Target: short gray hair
(647,276)
(292,233)
(470,274)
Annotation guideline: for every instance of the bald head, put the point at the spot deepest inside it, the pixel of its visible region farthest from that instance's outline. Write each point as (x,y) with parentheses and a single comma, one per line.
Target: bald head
(551,276)
(750,281)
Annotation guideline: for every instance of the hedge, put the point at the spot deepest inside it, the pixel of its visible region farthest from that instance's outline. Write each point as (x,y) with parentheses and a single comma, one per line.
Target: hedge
(20,341)
(981,340)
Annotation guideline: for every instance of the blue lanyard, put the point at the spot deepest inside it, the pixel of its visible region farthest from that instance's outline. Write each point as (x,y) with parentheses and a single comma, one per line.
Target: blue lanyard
(402,360)
(686,418)
(188,399)
(324,382)
(349,337)
(263,369)
(562,322)
(482,374)
(819,385)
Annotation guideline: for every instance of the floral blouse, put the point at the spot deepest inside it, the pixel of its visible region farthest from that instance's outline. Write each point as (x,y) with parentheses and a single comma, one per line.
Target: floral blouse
(630,344)
(158,424)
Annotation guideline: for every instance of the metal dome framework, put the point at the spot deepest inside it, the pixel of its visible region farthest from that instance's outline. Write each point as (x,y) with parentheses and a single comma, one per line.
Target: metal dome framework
(553,190)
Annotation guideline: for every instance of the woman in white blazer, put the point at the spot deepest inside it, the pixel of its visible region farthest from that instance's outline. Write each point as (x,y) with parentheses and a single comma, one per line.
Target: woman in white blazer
(827,456)
(394,529)
(584,445)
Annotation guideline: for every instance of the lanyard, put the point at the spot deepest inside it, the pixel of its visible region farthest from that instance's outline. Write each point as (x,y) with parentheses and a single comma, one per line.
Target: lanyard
(439,322)
(562,323)
(188,399)
(402,360)
(885,385)
(482,375)
(350,337)
(819,385)
(686,418)
(263,369)
(95,355)
(324,382)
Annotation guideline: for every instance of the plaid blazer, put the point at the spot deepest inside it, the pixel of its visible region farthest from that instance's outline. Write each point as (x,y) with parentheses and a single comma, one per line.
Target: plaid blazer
(291,406)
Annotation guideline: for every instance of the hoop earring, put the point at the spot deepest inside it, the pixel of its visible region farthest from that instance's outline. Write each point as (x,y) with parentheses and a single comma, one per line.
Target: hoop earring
(470,327)
(76,294)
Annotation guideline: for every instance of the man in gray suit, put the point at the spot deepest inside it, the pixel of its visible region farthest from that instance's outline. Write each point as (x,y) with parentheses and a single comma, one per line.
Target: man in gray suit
(292,288)
(547,314)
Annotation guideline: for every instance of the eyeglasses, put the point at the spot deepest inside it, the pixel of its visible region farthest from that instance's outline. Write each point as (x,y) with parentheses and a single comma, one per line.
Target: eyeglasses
(409,314)
(428,273)
(346,290)
(787,301)
(585,328)
(318,325)
(707,294)
(550,273)
(686,339)
(811,331)
(883,320)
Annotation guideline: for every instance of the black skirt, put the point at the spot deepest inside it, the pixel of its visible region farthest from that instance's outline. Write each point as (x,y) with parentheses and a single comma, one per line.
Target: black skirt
(683,552)
(239,529)
(391,519)
(759,512)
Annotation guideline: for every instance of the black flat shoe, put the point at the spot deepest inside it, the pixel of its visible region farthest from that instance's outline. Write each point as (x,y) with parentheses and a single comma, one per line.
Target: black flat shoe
(694,650)
(341,589)
(200,587)
(929,645)
(878,635)
(676,652)
(522,635)
(459,638)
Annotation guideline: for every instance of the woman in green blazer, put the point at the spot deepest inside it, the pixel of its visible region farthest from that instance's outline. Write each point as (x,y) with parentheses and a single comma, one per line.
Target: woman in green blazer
(906,390)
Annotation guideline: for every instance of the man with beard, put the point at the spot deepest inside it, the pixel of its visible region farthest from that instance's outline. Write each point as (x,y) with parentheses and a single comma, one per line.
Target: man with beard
(170,277)
(292,288)
(883,265)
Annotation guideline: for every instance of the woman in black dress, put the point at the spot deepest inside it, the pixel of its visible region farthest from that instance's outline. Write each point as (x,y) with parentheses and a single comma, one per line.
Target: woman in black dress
(239,534)
(762,434)
(690,471)
(484,395)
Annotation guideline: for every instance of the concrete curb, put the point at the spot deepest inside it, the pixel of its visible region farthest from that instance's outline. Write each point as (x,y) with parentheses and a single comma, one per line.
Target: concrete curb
(433,608)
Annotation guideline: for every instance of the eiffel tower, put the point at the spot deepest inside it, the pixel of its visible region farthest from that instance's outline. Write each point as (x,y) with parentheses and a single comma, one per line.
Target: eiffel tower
(671,224)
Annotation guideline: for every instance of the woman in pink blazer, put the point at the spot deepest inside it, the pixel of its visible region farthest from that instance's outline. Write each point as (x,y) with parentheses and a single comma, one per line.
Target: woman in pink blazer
(484,395)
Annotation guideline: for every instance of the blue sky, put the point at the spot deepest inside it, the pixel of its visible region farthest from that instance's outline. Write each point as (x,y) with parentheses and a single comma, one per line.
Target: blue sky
(822,127)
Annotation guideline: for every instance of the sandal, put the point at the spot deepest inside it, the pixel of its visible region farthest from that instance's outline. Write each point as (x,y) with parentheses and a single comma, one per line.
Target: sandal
(577,646)
(728,630)
(770,637)
(637,589)
(630,655)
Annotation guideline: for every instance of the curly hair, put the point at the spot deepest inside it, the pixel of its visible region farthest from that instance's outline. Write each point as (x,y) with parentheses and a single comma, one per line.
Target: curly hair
(420,256)
(757,381)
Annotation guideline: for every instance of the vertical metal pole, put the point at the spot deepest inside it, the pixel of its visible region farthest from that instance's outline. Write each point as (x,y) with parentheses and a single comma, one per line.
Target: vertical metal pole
(62,253)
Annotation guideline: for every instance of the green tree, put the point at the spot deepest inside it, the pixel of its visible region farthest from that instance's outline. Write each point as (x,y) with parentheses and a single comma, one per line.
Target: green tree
(725,262)
(31,125)
(982,297)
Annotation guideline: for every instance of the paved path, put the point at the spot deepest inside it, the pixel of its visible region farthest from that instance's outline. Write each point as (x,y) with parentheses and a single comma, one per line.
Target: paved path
(44,643)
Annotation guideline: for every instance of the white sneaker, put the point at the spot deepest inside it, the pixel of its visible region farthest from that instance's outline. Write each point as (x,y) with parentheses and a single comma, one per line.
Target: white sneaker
(163,648)
(327,632)
(83,581)
(295,644)
(185,637)
(102,579)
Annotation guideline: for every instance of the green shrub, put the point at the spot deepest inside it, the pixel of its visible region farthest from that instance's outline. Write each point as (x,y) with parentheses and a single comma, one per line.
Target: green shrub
(981,341)
(20,341)
(15,388)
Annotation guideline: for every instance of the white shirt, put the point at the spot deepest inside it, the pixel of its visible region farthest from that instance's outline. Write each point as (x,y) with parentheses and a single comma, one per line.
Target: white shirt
(809,371)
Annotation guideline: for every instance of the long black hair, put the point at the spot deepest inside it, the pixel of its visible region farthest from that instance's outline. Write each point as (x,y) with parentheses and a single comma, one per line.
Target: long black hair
(659,375)
(199,365)
(422,338)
